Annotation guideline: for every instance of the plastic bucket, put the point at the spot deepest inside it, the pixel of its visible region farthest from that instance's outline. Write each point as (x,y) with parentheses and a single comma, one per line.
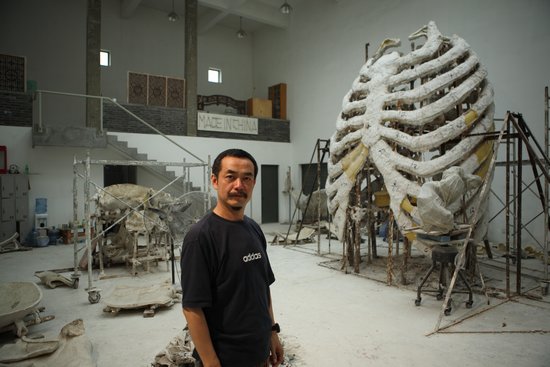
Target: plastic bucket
(41,206)
(53,234)
(42,241)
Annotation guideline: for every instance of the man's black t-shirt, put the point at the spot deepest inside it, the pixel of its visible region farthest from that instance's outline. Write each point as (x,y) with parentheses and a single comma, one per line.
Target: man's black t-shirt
(226,272)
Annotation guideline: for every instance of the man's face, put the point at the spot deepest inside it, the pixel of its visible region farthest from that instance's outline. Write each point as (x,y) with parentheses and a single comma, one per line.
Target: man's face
(234,183)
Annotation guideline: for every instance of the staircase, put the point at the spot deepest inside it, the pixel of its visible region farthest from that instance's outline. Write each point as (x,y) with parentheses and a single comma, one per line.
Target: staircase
(176,189)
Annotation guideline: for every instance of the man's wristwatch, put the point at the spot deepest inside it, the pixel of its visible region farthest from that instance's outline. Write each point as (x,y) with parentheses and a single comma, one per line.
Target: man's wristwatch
(276,328)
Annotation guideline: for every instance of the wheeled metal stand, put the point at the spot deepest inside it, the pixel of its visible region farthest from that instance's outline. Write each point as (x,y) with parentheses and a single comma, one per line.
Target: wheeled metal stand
(444,255)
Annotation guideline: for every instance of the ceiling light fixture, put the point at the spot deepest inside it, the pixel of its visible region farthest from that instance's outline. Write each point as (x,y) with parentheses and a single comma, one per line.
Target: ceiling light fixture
(173,16)
(241,33)
(286,8)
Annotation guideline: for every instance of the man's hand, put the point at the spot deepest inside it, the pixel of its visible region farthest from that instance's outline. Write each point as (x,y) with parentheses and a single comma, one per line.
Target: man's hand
(198,329)
(214,364)
(277,353)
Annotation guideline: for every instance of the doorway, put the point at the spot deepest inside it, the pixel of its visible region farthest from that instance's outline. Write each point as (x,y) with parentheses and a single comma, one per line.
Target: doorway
(113,175)
(270,193)
(309,177)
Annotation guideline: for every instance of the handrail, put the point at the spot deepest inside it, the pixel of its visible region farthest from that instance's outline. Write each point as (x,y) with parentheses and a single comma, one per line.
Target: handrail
(112,100)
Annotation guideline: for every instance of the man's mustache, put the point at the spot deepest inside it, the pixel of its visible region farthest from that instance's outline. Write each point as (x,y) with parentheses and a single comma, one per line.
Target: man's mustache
(239,194)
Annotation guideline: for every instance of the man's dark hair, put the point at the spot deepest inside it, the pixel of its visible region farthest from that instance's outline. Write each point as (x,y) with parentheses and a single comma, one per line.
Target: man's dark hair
(237,153)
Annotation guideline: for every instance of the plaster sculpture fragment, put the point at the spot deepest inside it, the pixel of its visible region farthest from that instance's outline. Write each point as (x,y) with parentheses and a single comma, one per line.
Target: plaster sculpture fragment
(141,211)
(412,117)
(135,297)
(309,205)
(72,348)
(19,300)
(52,279)
(437,201)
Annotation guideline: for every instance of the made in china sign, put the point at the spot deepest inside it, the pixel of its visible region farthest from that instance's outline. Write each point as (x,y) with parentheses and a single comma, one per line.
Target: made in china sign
(227,123)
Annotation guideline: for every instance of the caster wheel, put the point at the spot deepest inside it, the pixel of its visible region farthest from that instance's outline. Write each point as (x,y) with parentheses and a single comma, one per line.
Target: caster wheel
(75,283)
(417,301)
(94,297)
(439,297)
(447,311)
(469,304)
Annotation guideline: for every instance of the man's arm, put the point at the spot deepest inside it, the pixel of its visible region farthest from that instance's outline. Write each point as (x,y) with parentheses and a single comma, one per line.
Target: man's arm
(201,336)
(276,357)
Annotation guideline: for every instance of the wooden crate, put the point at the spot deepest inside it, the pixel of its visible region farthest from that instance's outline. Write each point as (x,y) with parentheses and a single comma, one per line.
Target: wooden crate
(277,93)
(67,235)
(257,107)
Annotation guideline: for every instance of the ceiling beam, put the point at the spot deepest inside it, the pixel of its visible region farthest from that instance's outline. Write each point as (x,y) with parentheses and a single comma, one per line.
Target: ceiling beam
(253,10)
(128,7)
(209,19)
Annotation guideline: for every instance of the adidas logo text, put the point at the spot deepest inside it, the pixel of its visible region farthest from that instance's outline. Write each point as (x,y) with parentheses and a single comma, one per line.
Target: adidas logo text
(252,257)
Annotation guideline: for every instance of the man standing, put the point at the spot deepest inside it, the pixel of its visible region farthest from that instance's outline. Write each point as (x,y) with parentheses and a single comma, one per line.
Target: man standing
(225,275)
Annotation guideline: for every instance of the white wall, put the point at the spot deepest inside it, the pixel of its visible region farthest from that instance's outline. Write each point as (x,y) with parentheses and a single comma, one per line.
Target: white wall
(54,45)
(51,34)
(148,43)
(50,173)
(322,51)
(51,168)
(264,153)
(221,49)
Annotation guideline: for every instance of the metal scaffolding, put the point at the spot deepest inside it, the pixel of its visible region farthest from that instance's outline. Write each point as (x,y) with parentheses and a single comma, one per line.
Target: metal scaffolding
(93,292)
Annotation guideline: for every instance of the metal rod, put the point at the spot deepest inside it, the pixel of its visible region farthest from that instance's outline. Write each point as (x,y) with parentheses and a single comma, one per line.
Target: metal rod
(370,216)
(525,133)
(389,263)
(172,258)
(207,183)
(39,111)
(517,223)
(154,129)
(507,207)
(547,184)
(87,218)
(357,225)
(527,187)
(140,163)
(101,116)
(508,172)
(319,196)
(70,94)
(76,273)
(317,146)
(468,316)
(289,175)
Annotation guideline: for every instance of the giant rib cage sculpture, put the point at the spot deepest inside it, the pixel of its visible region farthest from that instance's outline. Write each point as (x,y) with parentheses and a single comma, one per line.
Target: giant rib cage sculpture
(411,117)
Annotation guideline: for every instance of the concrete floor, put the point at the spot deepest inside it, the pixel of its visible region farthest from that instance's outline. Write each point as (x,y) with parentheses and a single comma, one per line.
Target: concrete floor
(328,318)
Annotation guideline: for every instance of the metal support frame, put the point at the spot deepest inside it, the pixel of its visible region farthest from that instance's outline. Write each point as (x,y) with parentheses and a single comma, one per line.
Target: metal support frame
(93,292)
(519,138)
(541,161)
(546,187)
(320,152)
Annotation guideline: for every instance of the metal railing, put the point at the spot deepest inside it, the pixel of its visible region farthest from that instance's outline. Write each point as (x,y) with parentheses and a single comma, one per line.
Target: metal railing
(39,98)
